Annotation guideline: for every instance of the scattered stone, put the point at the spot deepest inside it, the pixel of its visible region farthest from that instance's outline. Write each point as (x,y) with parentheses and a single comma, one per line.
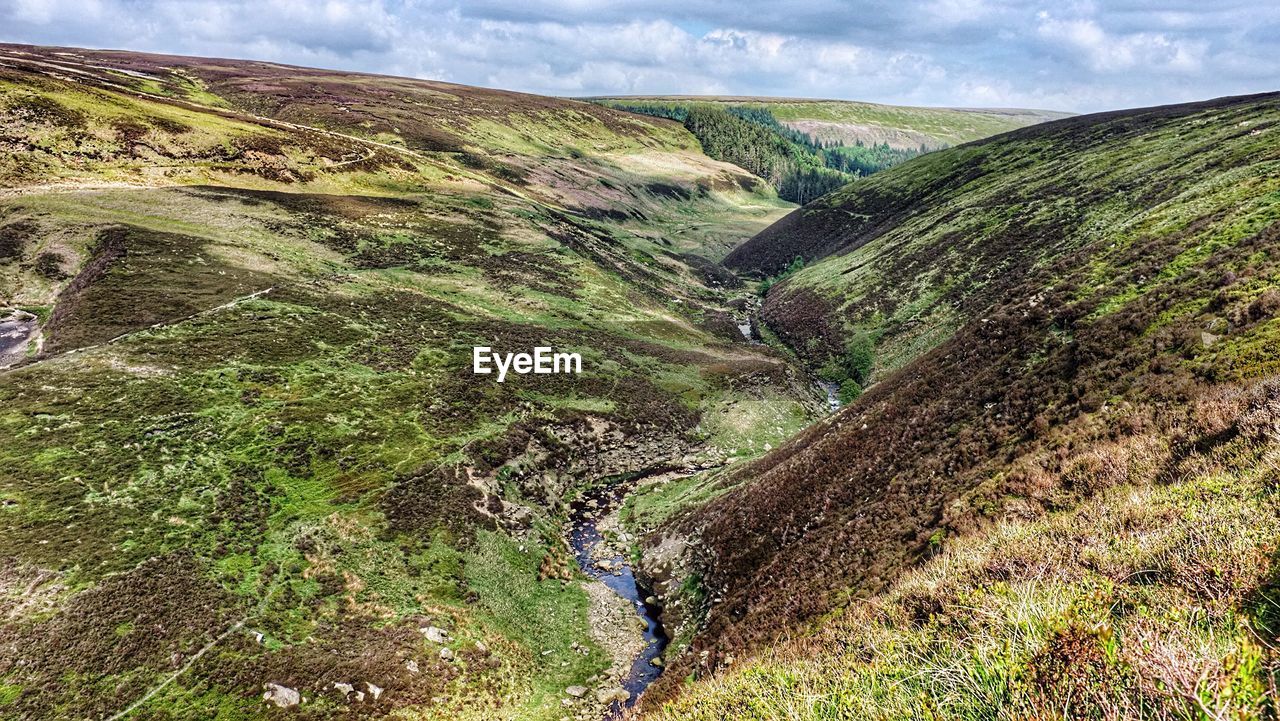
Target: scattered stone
(651,600)
(617,693)
(374,691)
(435,635)
(481,647)
(656,662)
(281,696)
(576,691)
(411,666)
(446,654)
(344,688)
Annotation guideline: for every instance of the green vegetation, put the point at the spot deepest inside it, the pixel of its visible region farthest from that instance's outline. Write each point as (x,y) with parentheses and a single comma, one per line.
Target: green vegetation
(846,122)
(808,148)
(248,448)
(979,243)
(852,369)
(245,452)
(797,166)
(1151,602)
(1055,497)
(767,283)
(651,505)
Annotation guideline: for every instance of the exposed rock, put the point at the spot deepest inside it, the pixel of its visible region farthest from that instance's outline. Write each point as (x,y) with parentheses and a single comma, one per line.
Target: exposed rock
(446,654)
(411,666)
(435,634)
(374,691)
(576,691)
(344,688)
(611,626)
(609,695)
(281,696)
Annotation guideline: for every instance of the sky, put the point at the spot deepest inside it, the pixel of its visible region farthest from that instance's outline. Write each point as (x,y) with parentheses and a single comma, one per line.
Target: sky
(1064,55)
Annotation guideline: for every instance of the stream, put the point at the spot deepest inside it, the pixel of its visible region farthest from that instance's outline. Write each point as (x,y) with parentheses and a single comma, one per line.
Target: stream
(584,536)
(832,390)
(746,326)
(17,327)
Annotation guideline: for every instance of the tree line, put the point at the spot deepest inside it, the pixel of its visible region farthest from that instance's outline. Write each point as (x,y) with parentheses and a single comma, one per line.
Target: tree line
(799,166)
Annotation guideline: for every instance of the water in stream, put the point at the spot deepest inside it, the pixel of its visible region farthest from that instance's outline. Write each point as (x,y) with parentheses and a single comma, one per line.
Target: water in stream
(833,394)
(16,329)
(584,535)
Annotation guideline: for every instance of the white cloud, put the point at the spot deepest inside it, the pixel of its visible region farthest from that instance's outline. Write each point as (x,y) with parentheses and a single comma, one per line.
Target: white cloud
(1071,54)
(1104,52)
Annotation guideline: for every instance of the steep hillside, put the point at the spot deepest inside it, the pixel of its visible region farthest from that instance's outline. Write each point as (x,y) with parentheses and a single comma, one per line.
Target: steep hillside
(244,450)
(1082,312)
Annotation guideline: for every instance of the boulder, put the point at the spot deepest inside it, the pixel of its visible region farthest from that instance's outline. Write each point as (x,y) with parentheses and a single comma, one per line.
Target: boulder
(281,696)
(609,695)
(435,634)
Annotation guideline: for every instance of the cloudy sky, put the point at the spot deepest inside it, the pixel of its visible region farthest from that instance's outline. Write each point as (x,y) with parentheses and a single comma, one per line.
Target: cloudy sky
(1063,54)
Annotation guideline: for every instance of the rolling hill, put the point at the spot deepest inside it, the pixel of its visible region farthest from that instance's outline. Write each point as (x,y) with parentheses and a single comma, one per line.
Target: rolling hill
(248,473)
(1056,496)
(849,122)
(244,452)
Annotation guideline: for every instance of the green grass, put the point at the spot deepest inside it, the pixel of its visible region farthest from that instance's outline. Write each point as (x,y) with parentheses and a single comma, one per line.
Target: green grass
(651,505)
(540,616)
(1220,197)
(301,459)
(1128,606)
(907,126)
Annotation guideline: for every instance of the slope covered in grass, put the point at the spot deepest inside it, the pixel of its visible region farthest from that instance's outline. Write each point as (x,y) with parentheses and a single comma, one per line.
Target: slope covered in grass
(244,446)
(1046,315)
(1144,602)
(849,122)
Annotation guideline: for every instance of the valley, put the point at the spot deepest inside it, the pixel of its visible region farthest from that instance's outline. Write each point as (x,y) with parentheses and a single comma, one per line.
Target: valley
(994,427)
(247,454)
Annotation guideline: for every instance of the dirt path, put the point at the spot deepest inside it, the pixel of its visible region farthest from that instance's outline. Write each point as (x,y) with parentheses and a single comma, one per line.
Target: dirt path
(122,336)
(257,611)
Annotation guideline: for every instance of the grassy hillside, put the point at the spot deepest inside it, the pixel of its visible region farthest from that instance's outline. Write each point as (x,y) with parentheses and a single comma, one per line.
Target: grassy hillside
(243,445)
(1069,337)
(848,122)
